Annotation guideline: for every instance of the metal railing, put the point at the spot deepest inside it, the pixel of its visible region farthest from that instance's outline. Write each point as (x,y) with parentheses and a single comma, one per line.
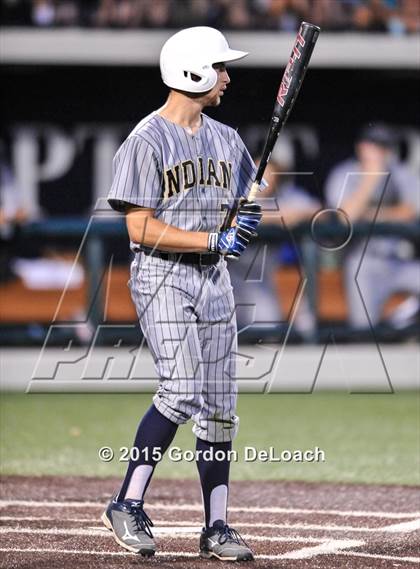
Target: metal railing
(92,233)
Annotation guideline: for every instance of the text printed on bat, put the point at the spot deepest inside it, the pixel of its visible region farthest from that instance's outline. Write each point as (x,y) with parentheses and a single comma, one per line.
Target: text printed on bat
(288,74)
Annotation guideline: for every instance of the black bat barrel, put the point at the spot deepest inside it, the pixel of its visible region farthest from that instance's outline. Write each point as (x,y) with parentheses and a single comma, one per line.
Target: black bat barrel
(289,87)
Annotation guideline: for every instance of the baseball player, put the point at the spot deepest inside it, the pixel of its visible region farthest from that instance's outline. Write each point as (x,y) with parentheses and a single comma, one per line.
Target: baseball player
(177,177)
(376,186)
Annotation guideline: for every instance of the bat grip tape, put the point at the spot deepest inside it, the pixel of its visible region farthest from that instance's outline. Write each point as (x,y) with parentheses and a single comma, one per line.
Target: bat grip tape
(253,192)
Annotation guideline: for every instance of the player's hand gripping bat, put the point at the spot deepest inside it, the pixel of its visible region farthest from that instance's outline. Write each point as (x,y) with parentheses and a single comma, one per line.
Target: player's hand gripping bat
(288,91)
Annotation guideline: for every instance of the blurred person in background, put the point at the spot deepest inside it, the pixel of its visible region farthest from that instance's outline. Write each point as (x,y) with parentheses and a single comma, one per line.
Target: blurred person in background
(191,13)
(410,16)
(43,13)
(253,276)
(370,16)
(240,14)
(330,15)
(237,14)
(375,186)
(67,13)
(286,15)
(119,13)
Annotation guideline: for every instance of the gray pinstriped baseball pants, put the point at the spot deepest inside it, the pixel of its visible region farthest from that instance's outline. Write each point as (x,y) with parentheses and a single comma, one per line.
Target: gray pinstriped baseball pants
(187,315)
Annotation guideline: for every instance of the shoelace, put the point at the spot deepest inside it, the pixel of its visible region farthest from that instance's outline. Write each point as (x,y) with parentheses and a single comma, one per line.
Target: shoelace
(142,520)
(230,534)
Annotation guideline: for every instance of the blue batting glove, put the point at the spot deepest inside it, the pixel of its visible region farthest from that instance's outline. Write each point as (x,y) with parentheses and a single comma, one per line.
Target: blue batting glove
(230,243)
(249,216)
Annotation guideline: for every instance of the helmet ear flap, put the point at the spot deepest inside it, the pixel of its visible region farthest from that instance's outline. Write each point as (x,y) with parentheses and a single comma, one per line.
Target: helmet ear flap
(212,76)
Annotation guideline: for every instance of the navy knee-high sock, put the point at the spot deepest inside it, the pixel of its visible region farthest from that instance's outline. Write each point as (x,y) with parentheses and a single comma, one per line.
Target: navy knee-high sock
(214,478)
(154,431)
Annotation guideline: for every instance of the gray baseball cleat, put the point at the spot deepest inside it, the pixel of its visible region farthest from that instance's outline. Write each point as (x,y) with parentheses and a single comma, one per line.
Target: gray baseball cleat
(130,525)
(224,543)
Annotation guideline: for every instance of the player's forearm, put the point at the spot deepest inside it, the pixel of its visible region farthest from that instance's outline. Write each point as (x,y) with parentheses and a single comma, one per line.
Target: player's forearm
(355,206)
(396,213)
(289,215)
(153,233)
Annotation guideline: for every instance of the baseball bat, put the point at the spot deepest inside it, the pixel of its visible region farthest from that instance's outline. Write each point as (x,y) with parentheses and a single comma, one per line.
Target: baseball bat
(288,91)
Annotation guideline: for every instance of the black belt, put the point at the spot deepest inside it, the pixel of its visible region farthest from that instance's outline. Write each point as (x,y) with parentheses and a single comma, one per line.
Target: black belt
(204,259)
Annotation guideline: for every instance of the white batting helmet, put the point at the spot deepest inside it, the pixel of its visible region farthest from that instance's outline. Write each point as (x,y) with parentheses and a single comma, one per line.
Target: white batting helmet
(193,51)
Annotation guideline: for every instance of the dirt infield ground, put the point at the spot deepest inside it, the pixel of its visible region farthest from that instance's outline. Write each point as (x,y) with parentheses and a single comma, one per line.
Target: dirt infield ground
(54,523)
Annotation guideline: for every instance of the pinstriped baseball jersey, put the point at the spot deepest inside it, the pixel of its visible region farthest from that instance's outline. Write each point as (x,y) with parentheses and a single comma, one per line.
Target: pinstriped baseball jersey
(190,180)
(186,311)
